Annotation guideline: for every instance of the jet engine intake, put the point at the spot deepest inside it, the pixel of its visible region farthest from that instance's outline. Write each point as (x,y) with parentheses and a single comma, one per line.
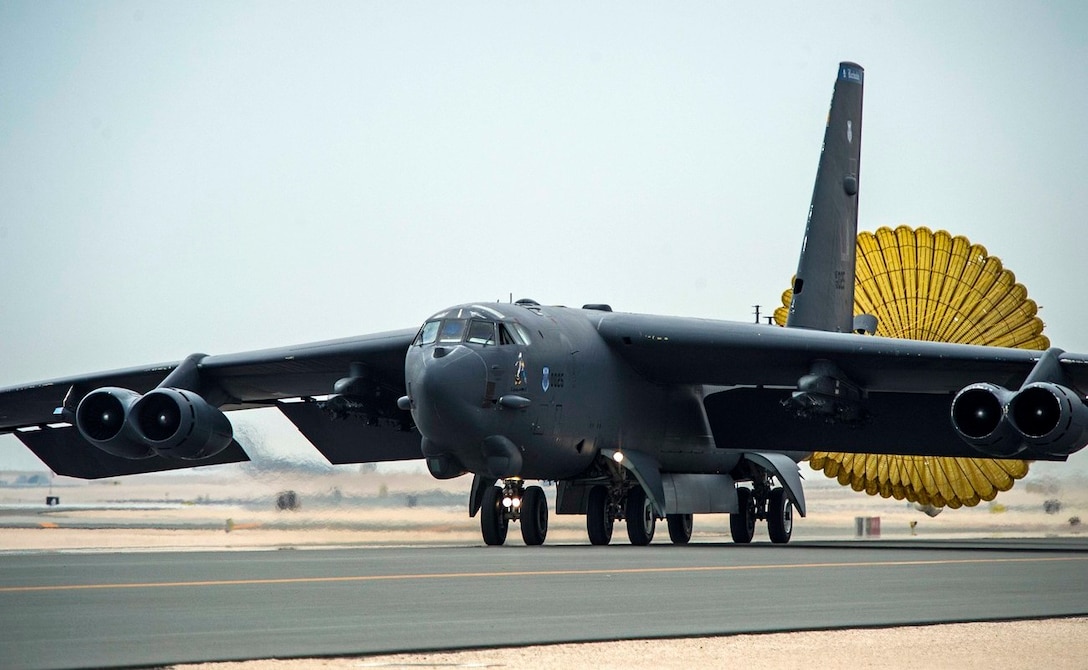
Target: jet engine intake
(979,417)
(181,424)
(1052,418)
(102,418)
(1041,416)
(166,421)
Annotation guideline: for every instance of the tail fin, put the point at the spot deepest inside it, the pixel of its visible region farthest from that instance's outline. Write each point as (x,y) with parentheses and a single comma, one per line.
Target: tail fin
(823,291)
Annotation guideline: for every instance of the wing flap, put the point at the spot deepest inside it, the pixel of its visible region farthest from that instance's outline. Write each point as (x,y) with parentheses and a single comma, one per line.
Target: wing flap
(67,453)
(743,419)
(352,440)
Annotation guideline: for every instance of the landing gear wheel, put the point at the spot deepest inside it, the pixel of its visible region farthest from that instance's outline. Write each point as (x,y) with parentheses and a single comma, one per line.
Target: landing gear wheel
(534,516)
(641,520)
(742,524)
(598,519)
(493,522)
(679,527)
(779,516)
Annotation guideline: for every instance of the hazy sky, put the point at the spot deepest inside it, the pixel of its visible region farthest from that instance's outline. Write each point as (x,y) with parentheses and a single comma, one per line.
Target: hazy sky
(218,177)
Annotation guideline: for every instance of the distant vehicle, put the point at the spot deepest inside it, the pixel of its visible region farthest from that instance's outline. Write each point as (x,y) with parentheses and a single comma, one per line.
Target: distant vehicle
(635,417)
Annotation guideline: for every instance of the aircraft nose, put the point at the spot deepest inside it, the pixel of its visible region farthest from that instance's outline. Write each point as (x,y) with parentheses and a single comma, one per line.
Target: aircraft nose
(447,386)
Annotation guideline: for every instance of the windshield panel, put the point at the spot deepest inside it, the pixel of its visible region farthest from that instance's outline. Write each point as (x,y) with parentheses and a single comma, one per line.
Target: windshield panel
(428,333)
(452,331)
(481,332)
(474,331)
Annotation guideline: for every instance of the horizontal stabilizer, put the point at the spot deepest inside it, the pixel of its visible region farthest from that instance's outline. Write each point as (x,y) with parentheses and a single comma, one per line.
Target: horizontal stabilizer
(66,453)
(351,440)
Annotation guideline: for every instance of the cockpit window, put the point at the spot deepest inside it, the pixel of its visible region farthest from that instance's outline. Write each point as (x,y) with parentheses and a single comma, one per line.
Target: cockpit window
(509,335)
(452,331)
(481,332)
(523,332)
(428,333)
(476,331)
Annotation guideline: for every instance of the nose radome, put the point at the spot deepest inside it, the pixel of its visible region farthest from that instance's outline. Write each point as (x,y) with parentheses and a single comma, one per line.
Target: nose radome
(447,393)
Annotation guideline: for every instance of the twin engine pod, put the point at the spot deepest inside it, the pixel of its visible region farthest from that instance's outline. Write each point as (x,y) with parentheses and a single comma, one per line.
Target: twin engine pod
(1041,417)
(167,422)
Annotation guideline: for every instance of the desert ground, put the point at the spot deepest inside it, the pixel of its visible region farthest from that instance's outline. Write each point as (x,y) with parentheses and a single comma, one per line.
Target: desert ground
(231,507)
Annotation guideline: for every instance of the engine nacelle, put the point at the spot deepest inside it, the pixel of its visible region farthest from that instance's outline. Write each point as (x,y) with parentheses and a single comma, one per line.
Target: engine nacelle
(1051,418)
(180,424)
(102,418)
(979,416)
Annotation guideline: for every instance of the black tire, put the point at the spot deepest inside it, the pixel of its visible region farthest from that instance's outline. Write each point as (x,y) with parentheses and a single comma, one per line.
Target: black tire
(641,520)
(742,524)
(679,527)
(598,519)
(493,523)
(779,516)
(534,516)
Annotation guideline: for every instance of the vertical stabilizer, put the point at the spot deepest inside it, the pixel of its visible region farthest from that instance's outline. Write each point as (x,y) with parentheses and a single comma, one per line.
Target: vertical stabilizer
(823,291)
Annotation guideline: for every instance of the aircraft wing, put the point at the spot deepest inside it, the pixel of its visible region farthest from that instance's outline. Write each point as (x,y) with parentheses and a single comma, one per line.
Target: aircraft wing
(750,374)
(40,414)
(309,369)
(700,351)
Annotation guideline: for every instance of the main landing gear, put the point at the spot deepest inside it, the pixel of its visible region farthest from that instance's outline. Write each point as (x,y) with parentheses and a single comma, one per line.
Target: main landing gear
(606,504)
(513,501)
(624,500)
(763,503)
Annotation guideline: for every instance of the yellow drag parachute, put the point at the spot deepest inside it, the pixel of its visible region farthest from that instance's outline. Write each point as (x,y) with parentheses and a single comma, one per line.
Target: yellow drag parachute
(923,285)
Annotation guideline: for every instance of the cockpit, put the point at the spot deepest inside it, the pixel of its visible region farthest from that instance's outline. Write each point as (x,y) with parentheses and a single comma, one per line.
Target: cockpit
(470,327)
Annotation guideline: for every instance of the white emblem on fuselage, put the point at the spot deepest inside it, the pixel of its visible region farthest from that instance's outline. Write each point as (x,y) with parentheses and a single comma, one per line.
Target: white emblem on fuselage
(849,132)
(545,379)
(519,371)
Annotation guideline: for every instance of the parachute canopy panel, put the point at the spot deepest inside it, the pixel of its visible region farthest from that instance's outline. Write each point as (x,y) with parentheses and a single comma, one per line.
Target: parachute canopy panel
(931,286)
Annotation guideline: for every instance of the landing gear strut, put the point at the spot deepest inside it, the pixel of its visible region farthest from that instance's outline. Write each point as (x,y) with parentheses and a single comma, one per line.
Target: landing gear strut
(513,501)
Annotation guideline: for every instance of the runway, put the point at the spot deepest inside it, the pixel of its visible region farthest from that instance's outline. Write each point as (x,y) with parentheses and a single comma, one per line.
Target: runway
(108,609)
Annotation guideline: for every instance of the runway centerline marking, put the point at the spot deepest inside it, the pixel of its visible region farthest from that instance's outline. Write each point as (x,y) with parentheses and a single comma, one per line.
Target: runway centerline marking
(535,573)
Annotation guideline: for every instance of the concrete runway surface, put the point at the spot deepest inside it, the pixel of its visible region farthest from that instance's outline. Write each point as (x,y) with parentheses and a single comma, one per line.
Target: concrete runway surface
(111,609)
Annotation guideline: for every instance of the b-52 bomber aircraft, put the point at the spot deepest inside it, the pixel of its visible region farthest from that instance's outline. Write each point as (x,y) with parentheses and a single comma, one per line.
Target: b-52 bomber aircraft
(634,417)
